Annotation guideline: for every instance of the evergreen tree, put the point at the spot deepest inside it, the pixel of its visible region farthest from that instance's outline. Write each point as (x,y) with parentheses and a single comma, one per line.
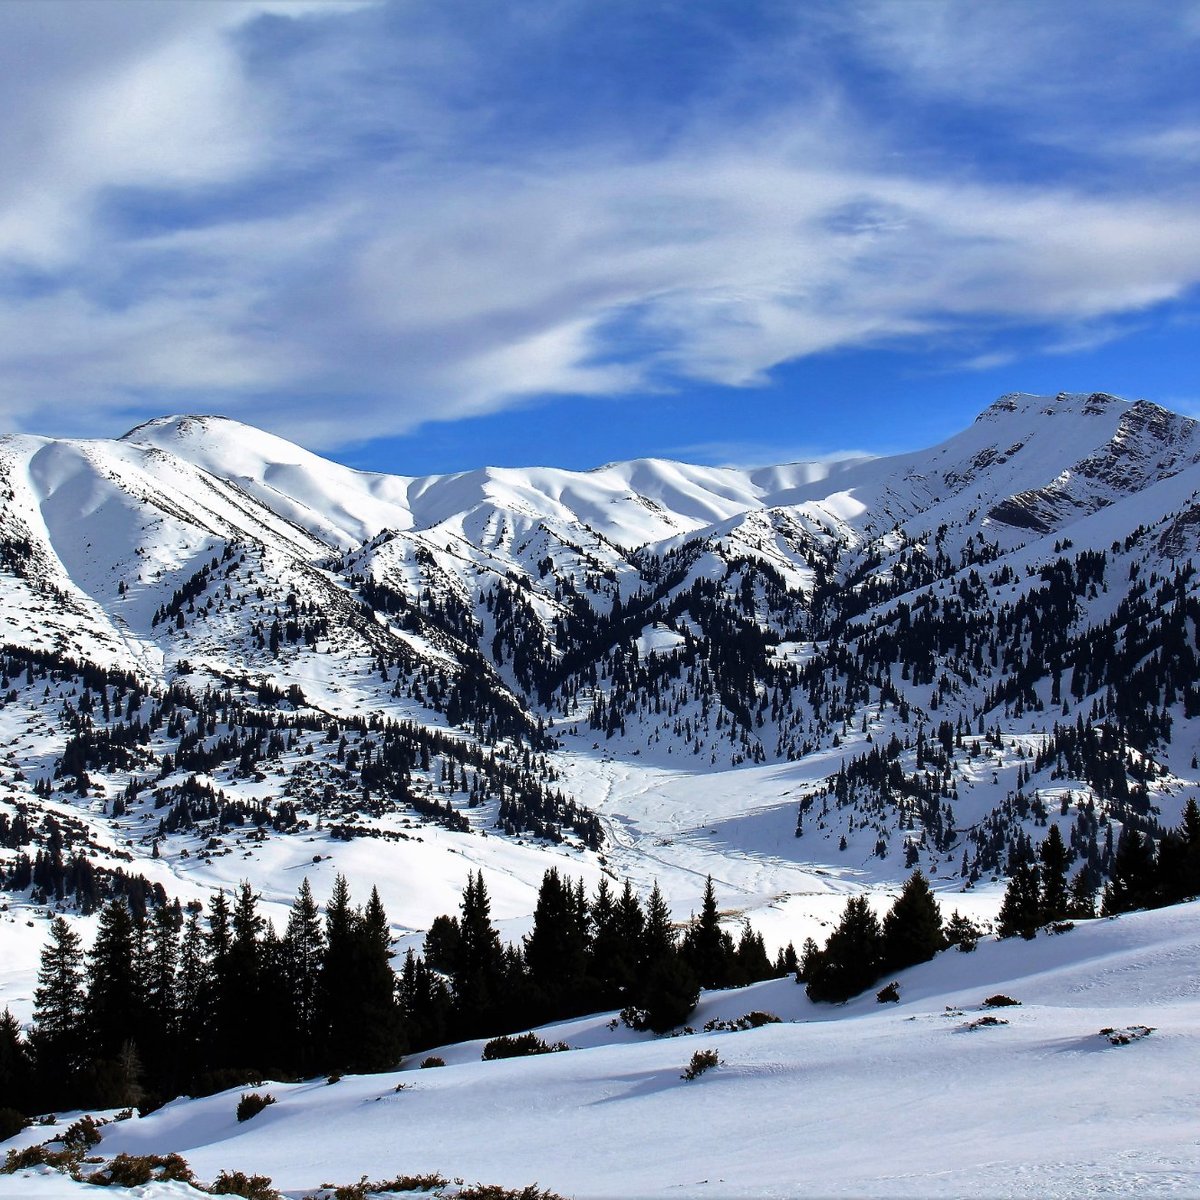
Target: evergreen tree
(16,1069)
(1021,909)
(556,949)
(302,955)
(240,1002)
(338,1015)
(191,998)
(1133,880)
(479,972)
(58,1011)
(380,1041)
(1055,858)
(912,929)
(114,997)
(666,987)
(1081,903)
(850,961)
(707,948)
(159,988)
(752,963)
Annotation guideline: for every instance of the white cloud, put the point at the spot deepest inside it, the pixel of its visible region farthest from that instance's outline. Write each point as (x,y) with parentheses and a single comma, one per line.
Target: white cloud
(457,266)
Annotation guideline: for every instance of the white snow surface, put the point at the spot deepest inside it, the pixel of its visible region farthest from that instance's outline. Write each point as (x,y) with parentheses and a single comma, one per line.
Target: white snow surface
(862,1099)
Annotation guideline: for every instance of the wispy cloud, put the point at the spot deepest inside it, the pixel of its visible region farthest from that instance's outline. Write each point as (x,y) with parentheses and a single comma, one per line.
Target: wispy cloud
(348,220)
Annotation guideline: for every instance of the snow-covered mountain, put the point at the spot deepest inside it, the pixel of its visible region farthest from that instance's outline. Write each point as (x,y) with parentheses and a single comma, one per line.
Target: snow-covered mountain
(226,656)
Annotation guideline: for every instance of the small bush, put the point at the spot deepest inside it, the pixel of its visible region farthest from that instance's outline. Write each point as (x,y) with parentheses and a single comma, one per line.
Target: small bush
(702,1060)
(962,932)
(333,1079)
(134,1170)
(1001,1001)
(39,1156)
(11,1123)
(520,1046)
(1128,1035)
(985,1023)
(751,1020)
(491,1191)
(83,1134)
(252,1103)
(637,1019)
(409,1183)
(432,1061)
(250,1187)
(889,994)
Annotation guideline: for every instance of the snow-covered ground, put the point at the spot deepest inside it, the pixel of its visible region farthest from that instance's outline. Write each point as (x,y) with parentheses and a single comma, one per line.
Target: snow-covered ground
(904,1100)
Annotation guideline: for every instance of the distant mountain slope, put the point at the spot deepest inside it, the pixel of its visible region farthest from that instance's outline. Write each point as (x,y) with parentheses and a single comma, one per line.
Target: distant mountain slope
(851,667)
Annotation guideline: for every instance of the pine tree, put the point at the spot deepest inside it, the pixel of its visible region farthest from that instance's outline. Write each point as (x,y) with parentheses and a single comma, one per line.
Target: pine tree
(1055,858)
(302,953)
(16,1068)
(1132,883)
(851,958)
(114,998)
(479,973)
(240,1002)
(707,948)
(912,929)
(58,1010)
(1021,908)
(556,949)
(159,966)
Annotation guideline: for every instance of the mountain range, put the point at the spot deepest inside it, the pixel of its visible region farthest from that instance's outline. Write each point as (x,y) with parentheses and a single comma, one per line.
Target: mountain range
(227,657)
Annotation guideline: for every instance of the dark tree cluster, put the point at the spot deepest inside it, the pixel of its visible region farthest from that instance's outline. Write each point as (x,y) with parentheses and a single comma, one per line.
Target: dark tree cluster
(163,1004)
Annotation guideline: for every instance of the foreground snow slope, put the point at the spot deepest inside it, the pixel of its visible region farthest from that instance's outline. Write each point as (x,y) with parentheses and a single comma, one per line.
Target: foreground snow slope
(853,1100)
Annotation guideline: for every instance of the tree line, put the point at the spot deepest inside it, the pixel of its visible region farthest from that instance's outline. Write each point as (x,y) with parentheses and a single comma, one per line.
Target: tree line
(163,1003)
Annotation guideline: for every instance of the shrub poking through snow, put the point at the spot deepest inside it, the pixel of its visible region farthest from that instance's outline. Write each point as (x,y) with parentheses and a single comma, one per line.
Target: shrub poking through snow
(134,1170)
(751,1020)
(83,1134)
(1131,1033)
(889,994)
(985,1022)
(702,1060)
(39,1156)
(1001,1001)
(519,1046)
(637,1019)
(433,1060)
(249,1187)
(252,1103)
(492,1191)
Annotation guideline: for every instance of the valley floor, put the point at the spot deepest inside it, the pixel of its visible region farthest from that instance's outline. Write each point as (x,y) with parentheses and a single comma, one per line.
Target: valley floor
(911,1099)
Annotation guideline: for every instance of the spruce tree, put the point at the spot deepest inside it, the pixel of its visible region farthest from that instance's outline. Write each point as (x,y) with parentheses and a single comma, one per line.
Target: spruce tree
(1055,858)
(57,1040)
(479,973)
(666,988)
(381,1038)
(707,948)
(1021,909)
(114,998)
(16,1068)
(556,949)
(850,961)
(1133,880)
(912,929)
(302,954)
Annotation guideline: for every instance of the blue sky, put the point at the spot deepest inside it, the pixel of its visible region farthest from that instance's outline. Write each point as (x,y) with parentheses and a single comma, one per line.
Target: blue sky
(426,236)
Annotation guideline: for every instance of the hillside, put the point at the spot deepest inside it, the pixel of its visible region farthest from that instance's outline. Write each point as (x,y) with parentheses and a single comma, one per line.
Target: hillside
(921,1098)
(225,657)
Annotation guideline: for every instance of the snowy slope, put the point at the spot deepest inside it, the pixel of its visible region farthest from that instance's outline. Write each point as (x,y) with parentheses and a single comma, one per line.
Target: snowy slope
(914,1099)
